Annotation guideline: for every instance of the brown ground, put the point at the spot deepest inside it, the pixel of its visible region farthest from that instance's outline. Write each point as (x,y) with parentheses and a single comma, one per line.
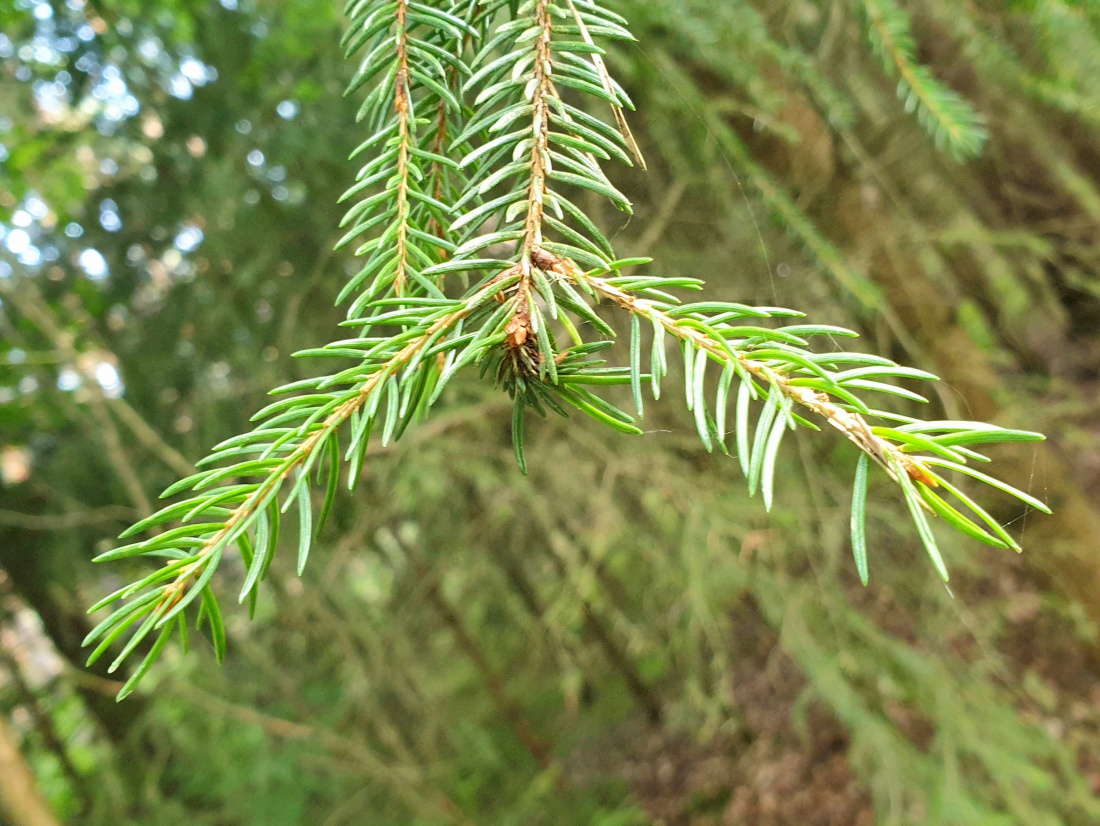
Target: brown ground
(773,774)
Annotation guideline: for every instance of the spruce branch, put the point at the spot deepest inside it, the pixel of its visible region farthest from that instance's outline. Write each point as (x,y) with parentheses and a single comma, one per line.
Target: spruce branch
(774,364)
(413,52)
(951,121)
(521,170)
(484,191)
(298,436)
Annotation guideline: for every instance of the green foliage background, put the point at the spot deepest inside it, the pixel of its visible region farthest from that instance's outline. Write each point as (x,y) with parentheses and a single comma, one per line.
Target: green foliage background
(622,636)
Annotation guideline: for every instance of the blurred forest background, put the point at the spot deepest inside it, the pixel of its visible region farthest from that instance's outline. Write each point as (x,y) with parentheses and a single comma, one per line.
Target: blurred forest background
(623,637)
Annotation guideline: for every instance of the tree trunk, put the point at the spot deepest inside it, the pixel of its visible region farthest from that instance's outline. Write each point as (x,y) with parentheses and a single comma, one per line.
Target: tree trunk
(21,801)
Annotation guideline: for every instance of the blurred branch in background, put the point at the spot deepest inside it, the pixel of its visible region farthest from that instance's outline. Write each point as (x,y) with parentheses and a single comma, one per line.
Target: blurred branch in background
(66,521)
(21,801)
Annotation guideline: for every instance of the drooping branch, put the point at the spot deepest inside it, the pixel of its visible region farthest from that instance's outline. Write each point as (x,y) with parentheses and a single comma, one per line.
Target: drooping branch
(502,172)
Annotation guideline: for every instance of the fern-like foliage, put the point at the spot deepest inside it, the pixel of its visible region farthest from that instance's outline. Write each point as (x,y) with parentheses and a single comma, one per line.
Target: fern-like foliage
(485,125)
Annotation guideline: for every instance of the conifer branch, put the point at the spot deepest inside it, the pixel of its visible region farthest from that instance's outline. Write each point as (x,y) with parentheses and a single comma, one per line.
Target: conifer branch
(887,454)
(234,507)
(444,190)
(952,122)
(414,52)
(775,366)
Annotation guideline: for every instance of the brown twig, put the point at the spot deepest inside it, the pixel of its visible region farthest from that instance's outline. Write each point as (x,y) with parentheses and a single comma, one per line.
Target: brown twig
(44,724)
(403,106)
(540,129)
